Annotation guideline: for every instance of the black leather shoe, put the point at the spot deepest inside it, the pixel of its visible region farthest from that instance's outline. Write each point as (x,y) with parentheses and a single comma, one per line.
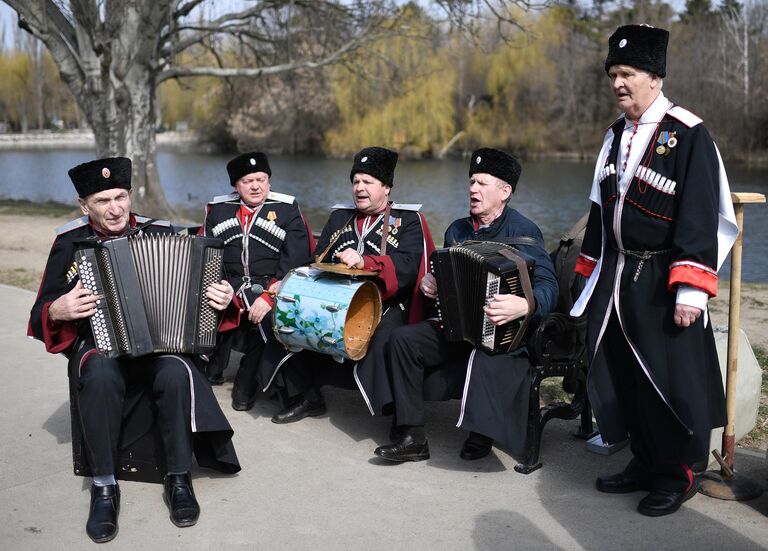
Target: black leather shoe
(476,446)
(180,499)
(242,403)
(405,449)
(102,519)
(662,502)
(298,411)
(620,483)
(216,380)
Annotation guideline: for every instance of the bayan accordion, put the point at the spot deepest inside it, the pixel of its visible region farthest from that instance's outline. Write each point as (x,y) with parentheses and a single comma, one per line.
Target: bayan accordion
(153,289)
(468,275)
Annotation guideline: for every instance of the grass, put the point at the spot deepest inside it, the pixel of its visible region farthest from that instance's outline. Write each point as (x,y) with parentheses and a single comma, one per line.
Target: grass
(32,208)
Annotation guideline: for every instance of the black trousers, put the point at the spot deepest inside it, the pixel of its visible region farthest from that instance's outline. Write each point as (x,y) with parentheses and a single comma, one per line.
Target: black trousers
(248,339)
(643,410)
(104,384)
(415,350)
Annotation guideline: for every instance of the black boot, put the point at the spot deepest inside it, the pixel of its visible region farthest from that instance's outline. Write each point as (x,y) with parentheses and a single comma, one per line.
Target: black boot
(476,446)
(180,499)
(102,519)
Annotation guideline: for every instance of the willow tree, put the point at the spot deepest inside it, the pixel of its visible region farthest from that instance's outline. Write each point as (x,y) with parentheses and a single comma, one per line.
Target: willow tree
(114,54)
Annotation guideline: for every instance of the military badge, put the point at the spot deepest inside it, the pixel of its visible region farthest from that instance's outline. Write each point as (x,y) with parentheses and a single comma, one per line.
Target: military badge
(272,216)
(666,141)
(394,224)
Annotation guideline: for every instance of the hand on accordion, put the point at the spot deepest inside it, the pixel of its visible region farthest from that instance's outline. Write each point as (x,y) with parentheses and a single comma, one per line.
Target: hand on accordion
(502,309)
(219,295)
(77,304)
(428,286)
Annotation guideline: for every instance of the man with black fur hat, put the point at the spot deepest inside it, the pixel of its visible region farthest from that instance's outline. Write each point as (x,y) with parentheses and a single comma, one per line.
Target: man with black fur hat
(373,234)
(660,226)
(494,389)
(265,236)
(119,396)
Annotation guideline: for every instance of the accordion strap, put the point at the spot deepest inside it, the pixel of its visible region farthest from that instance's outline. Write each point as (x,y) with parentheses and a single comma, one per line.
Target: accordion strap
(522,271)
(519,240)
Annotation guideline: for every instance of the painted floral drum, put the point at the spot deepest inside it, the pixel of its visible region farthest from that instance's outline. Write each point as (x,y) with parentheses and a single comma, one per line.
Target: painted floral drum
(325,312)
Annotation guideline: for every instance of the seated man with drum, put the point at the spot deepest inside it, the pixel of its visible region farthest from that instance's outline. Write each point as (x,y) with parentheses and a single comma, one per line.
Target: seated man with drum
(384,241)
(265,236)
(424,364)
(115,396)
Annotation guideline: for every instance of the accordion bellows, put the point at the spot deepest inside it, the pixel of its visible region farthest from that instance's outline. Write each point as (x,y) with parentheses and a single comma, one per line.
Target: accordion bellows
(154,293)
(468,275)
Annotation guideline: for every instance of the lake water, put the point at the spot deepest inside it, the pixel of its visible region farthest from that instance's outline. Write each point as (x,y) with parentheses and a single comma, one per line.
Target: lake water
(554,194)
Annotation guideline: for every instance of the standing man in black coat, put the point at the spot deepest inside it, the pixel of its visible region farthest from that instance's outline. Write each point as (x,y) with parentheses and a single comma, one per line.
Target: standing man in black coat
(265,236)
(660,226)
(109,391)
(494,389)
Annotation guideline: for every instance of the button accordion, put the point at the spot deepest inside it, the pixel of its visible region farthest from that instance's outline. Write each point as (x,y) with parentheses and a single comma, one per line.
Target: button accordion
(153,293)
(468,275)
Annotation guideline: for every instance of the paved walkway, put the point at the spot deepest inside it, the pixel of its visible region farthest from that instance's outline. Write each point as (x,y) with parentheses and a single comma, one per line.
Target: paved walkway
(315,485)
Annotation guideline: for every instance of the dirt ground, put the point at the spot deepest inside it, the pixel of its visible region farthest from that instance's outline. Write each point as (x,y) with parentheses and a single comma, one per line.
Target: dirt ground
(25,241)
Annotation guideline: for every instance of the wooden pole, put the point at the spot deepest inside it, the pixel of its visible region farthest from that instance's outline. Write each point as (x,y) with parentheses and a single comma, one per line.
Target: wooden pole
(734,305)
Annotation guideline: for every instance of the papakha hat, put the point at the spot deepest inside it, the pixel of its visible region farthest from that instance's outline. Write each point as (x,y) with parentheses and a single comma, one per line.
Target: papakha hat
(640,46)
(247,163)
(496,163)
(378,162)
(100,175)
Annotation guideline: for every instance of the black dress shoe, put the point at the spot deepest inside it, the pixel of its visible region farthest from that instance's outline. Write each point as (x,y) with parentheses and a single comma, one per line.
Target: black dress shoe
(216,379)
(180,499)
(663,502)
(476,446)
(298,411)
(242,403)
(102,519)
(405,449)
(621,483)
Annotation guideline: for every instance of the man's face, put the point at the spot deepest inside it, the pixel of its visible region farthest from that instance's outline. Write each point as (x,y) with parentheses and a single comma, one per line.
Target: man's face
(369,194)
(109,210)
(634,89)
(487,194)
(253,188)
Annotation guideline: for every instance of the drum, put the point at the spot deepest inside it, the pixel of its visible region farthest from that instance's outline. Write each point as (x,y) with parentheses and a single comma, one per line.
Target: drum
(329,313)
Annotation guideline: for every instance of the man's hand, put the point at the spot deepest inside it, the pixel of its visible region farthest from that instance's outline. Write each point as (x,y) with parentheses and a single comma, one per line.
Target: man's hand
(258,310)
(219,295)
(502,309)
(685,315)
(351,258)
(77,304)
(428,286)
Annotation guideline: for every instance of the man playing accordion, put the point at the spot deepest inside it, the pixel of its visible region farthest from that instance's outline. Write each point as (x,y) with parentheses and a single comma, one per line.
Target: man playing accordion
(493,387)
(111,393)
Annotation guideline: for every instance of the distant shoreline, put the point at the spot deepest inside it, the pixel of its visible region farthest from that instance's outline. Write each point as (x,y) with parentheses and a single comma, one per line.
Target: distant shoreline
(83,139)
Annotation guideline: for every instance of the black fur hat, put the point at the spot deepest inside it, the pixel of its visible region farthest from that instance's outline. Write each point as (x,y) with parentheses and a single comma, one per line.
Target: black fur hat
(376,161)
(640,46)
(496,163)
(101,175)
(246,164)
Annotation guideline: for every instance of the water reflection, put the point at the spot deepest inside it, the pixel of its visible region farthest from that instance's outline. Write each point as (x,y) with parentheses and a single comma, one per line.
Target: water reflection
(553,194)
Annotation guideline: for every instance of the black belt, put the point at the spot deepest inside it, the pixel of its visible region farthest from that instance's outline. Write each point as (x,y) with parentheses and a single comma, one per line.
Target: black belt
(641,257)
